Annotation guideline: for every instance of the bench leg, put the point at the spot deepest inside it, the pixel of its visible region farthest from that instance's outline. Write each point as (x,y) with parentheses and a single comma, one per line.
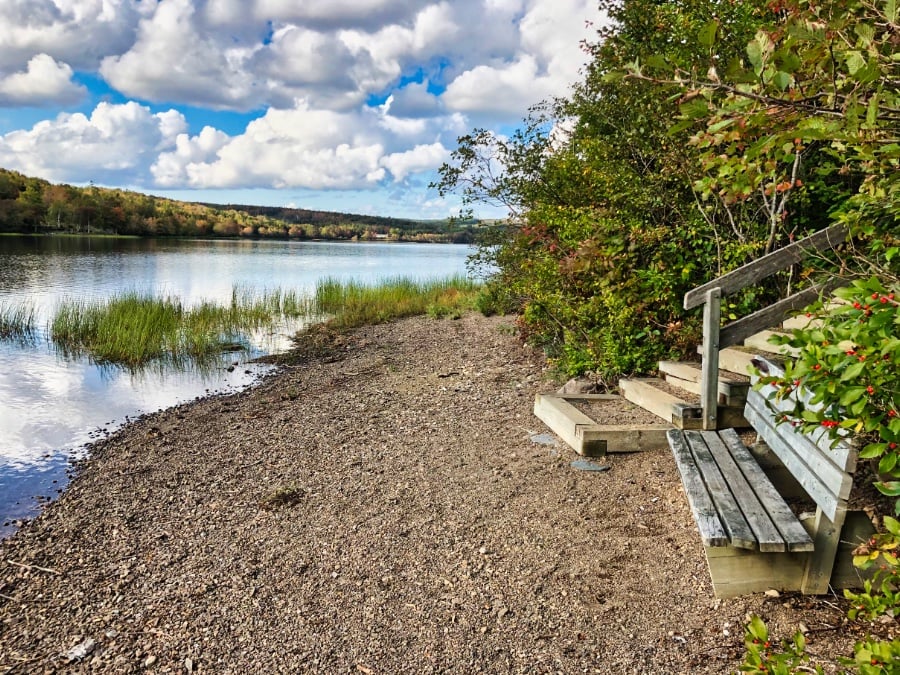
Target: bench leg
(826,536)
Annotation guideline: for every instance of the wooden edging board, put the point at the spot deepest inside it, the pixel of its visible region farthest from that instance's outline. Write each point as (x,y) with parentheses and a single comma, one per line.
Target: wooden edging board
(590,439)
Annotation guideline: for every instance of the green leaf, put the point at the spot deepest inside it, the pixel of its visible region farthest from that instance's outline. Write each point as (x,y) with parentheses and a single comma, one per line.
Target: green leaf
(758,629)
(781,80)
(853,371)
(892,525)
(657,61)
(851,395)
(889,488)
(873,450)
(855,62)
(865,32)
(890,11)
(721,124)
(754,54)
(885,466)
(872,111)
(707,35)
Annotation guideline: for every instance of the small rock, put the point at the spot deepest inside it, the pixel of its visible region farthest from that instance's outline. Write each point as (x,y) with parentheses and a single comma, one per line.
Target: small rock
(772,593)
(81,650)
(149,661)
(578,385)
(189,664)
(803,628)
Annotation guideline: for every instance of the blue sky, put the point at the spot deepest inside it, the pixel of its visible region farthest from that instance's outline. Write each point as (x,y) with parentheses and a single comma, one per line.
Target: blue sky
(346,105)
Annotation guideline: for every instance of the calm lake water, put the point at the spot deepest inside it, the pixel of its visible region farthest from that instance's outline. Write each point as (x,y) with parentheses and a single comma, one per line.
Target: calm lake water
(51,406)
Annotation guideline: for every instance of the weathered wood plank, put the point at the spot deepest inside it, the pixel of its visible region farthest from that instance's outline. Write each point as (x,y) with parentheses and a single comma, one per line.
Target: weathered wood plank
(711,530)
(736,360)
(624,437)
(691,372)
(768,264)
(739,531)
(644,394)
(828,487)
(709,376)
(828,534)
(562,417)
(761,342)
(768,537)
(737,331)
(842,454)
(792,531)
(737,571)
(820,462)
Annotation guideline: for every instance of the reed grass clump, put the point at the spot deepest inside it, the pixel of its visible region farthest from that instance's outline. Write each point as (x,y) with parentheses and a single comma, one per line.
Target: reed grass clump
(17,321)
(134,329)
(351,304)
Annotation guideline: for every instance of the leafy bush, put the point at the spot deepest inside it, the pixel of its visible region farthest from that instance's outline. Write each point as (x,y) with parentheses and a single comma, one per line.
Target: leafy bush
(850,363)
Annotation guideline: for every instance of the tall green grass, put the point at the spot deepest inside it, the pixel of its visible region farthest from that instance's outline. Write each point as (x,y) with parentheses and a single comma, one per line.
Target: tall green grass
(134,329)
(17,321)
(351,303)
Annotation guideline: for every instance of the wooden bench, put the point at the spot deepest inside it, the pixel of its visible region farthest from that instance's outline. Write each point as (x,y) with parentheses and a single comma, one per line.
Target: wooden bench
(752,538)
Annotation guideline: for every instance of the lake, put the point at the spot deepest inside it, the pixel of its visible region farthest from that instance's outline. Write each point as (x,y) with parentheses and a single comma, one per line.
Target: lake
(51,405)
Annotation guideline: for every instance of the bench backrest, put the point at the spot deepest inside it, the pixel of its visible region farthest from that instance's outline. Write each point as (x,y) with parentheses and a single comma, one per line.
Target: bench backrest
(823,471)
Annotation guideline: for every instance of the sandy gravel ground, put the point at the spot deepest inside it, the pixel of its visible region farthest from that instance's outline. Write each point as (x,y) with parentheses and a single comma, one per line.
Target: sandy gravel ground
(380,507)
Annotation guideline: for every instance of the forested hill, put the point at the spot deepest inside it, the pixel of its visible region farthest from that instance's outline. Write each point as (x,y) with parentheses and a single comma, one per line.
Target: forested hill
(33,205)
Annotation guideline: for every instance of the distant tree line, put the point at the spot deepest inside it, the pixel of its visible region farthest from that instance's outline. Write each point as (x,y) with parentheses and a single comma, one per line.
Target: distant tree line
(33,205)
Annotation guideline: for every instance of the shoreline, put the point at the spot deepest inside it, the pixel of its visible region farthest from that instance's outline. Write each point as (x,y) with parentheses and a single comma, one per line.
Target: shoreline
(377,505)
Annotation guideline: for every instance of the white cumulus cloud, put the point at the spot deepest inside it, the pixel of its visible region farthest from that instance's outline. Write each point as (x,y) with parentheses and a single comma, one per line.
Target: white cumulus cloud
(420,158)
(308,148)
(115,145)
(77,32)
(43,82)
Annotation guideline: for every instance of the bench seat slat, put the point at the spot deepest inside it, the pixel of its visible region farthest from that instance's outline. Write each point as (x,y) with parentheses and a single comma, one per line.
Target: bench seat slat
(711,530)
(768,537)
(795,535)
(739,532)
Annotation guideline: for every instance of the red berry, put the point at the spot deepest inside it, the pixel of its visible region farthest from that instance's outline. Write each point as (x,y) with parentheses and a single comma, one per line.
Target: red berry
(883,299)
(874,296)
(870,389)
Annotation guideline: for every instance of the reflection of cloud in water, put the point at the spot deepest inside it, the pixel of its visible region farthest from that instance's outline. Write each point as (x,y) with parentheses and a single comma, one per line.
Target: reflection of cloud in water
(56,404)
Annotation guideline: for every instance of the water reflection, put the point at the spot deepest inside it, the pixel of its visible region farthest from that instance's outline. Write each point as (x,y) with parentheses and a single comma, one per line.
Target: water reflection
(51,403)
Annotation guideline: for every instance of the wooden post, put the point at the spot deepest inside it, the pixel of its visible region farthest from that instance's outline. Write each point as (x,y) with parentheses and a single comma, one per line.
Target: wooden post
(827,538)
(709,378)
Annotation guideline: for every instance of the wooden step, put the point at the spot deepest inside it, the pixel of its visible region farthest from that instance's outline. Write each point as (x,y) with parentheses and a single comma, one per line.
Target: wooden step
(681,412)
(671,408)
(761,341)
(642,392)
(799,322)
(687,375)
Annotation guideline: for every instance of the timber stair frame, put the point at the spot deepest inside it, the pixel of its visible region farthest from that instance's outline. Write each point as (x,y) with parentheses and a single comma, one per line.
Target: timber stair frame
(720,403)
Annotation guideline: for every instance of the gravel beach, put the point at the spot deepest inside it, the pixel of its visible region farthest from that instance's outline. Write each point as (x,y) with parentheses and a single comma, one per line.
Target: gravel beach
(376,506)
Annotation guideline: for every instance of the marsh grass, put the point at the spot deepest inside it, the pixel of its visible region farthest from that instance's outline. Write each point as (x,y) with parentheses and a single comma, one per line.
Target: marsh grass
(352,304)
(17,321)
(134,329)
